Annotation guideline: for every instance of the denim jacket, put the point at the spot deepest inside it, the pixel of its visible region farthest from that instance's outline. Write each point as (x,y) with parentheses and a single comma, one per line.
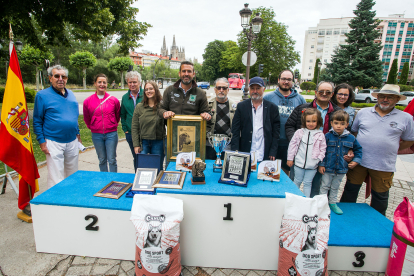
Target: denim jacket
(337,147)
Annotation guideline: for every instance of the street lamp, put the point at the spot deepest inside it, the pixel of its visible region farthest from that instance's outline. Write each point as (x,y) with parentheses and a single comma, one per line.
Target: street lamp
(319,72)
(251,30)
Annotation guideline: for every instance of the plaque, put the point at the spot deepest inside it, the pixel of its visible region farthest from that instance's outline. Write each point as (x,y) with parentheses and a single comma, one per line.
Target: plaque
(186,133)
(236,168)
(114,189)
(170,179)
(269,170)
(185,161)
(144,178)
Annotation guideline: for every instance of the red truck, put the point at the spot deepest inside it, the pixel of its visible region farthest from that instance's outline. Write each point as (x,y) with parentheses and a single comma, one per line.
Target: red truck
(236,80)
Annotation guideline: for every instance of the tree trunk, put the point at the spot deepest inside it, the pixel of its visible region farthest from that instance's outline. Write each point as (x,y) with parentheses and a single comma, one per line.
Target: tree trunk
(122,80)
(84,78)
(37,78)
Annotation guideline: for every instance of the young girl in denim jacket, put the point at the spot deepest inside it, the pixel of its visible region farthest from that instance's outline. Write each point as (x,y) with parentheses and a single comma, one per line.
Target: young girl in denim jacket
(307,148)
(334,167)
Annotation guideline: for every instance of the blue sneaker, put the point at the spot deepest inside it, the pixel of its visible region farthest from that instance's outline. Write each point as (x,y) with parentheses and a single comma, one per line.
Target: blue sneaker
(335,209)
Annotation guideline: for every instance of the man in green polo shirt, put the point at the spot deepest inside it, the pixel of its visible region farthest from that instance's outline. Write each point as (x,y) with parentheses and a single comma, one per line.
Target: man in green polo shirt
(129,101)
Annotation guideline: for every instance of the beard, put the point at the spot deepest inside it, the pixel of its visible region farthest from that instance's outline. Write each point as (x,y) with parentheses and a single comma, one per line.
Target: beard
(386,108)
(221,97)
(284,89)
(186,82)
(256,96)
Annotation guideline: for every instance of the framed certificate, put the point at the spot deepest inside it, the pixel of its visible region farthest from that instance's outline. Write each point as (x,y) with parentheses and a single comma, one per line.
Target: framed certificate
(114,189)
(235,168)
(170,179)
(186,133)
(144,178)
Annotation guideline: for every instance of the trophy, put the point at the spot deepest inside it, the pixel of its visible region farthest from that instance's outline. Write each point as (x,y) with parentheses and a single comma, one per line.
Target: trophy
(219,142)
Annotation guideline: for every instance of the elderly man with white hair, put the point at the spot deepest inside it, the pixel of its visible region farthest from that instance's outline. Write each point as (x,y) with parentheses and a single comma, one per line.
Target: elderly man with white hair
(133,97)
(381,130)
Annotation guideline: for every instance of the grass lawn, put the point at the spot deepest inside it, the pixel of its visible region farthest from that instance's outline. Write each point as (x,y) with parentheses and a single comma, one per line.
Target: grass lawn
(311,92)
(85,135)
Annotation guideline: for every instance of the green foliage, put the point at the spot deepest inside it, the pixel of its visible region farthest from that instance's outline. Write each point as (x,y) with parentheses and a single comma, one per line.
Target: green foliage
(392,75)
(30,94)
(412,81)
(404,87)
(231,61)
(273,46)
(357,62)
(307,85)
(316,71)
(82,59)
(212,56)
(404,74)
(120,64)
(42,23)
(34,56)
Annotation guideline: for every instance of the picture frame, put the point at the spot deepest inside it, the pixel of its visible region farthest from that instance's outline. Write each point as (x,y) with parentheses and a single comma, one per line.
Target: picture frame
(114,189)
(186,133)
(144,178)
(170,180)
(236,168)
(269,170)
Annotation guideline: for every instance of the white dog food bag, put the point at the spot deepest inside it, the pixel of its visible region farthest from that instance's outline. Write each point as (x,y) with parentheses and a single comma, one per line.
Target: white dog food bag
(157,228)
(303,236)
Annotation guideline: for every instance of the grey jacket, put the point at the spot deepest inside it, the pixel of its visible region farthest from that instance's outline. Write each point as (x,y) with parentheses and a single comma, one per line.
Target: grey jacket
(212,105)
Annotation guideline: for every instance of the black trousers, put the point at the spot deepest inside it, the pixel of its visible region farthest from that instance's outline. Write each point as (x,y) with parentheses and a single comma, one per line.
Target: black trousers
(379,201)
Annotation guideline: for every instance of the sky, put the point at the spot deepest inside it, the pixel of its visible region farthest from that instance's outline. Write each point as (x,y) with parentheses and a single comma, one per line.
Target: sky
(196,23)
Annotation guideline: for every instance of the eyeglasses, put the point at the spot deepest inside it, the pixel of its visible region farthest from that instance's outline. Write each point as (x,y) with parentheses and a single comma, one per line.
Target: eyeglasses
(343,95)
(57,76)
(284,79)
(325,92)
(381,97)
(222,87)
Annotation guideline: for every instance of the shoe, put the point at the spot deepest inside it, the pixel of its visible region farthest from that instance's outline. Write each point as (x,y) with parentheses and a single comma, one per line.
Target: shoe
(335,209)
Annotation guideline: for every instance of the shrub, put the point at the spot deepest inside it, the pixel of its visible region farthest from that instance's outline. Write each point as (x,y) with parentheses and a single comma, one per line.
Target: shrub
(30,94)
(307,85)
(412,82)
(405,88)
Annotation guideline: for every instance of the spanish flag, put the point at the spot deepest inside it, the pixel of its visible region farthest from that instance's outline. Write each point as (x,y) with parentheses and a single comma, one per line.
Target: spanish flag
(16,148)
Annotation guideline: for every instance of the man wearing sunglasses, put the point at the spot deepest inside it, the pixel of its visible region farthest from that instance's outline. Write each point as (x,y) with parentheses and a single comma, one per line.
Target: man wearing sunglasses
(55,123)
(222,112)
(322,102)
(382,131)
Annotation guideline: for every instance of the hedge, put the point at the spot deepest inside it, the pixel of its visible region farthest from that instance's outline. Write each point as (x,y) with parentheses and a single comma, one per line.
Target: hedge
(404,87)
(30,94)
(307,85)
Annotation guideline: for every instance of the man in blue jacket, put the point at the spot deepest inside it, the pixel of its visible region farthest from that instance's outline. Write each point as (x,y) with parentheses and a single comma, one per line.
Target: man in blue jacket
(55,123)
(286,98)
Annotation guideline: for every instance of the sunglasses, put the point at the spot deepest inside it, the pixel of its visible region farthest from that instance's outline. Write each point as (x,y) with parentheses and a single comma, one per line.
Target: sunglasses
(324,92)
(222,87)
(57,76)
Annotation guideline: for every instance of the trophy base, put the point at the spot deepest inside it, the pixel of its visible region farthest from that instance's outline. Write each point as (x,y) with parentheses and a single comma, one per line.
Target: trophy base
(217,167)
(198,180)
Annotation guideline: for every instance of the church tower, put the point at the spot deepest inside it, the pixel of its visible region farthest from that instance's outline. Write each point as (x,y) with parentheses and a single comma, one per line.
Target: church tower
(164,49)
(174,49)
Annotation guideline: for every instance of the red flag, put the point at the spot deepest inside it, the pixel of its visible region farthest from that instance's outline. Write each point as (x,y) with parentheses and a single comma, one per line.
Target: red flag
(16,148)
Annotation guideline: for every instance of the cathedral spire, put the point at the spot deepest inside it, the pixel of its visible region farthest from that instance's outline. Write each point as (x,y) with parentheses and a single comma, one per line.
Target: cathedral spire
(174,41)
(164,45)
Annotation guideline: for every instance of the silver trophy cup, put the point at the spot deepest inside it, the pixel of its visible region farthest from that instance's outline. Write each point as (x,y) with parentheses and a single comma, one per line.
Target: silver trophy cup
(219,142)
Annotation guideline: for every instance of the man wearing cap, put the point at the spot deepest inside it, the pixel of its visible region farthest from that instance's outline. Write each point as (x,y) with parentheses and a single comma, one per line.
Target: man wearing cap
(256,124)
(382,131)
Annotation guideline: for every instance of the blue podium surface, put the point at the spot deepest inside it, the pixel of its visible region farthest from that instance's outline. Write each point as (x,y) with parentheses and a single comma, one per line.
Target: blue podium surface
(255,187)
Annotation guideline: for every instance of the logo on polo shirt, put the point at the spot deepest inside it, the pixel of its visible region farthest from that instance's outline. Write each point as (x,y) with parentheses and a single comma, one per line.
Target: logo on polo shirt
(393,124)
(193,98)
(177,95)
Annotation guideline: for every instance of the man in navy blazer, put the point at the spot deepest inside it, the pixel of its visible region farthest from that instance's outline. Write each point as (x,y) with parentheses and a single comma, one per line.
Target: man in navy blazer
(256,124)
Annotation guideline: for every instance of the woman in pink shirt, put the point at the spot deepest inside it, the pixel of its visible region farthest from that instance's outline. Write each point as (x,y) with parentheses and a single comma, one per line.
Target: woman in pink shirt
(101,113)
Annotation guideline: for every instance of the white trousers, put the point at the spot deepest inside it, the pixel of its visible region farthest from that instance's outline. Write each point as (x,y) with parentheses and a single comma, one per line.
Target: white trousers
(62,161)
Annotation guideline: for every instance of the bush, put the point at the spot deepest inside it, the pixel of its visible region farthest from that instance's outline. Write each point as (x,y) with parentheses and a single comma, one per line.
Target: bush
(412,82)
(30,94)
(307,85)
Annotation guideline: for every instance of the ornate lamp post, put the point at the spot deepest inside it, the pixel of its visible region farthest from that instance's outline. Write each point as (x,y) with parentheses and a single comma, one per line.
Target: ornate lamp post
(319,71)
(251,30)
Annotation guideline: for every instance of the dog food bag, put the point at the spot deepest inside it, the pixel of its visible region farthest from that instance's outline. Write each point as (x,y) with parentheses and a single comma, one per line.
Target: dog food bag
(401,257)
(303,236)
(157,228)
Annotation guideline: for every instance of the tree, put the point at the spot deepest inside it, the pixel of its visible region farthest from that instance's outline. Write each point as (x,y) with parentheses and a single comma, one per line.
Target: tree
(412,81)
(36,57)
(392,75)
(316,71)
(120,64)
(273,46)
(357,62)
(44,22)
(83,60)
(404,74)
(212,56)
(231,60)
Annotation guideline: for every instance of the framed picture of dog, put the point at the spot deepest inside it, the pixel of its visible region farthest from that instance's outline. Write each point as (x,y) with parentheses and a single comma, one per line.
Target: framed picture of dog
(170,180)
(186,133)
(114,189)
(144,178)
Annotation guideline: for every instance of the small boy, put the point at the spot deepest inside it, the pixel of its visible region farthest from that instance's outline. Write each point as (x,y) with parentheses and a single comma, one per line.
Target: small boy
(334,167)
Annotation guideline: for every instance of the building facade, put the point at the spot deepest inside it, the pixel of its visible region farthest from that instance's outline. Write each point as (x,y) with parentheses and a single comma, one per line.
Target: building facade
(397,38)
(176,52)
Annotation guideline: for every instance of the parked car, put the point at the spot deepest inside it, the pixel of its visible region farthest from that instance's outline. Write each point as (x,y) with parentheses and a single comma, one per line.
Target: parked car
(365,95)
(409,95)
(203,84)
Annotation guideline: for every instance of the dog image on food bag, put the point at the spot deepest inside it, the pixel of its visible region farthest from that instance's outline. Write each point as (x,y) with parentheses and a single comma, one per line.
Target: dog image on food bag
(310,242)
(154,237)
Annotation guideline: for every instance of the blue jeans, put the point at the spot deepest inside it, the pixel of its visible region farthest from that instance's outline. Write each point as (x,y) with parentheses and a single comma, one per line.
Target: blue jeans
(330,183)
(153,147)
(105,146)
(305,176)
(128,137)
